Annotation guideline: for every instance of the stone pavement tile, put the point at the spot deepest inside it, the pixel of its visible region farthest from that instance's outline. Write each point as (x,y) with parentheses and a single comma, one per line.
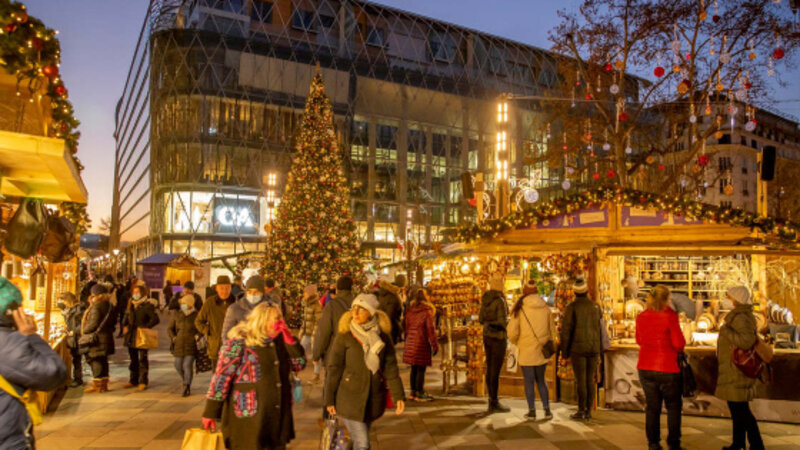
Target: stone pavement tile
(538,444)
(453,429)
(516,432)
(304,444)
(127,438)
(461,441)
(585,445)
(564,431)
(704,441)
(58,442)
(791,439)
(149,422)
(622,434)
(404,441)
(176,430)
(112,414)
(169,406)
(163,445)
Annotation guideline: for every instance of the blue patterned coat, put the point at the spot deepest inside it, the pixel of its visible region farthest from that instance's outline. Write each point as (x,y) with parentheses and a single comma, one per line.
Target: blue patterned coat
(251,392)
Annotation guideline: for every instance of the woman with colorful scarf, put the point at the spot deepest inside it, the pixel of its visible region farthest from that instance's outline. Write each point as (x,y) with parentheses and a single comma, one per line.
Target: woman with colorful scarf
(182,331)
(362,370)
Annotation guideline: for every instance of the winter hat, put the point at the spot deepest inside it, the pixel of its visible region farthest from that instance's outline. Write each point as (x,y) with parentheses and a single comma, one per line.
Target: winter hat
(223,279)
(400,280)
(256,282)
(98,289)
(496,282)
(740,294)
(344,284)
(189,285)
(310,290)
(580,286)
(366,301)
(10,296)
(530,288)
(187,300)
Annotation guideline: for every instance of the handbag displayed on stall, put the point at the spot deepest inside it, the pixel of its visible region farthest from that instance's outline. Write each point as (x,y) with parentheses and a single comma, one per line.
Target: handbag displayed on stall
(26,230)
(60,242)
(688,382)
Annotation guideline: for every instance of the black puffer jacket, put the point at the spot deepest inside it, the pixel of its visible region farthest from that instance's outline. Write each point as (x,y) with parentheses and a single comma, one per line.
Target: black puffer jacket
(580,332)
(389,302)
(72,318)
(494,315)
(182,330)
(138,316)
(94,317)
(329,323)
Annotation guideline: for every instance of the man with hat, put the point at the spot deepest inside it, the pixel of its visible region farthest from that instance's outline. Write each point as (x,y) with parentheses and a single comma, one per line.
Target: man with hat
(188,289)
(26,362)
(390,302)
(212,315)
(494,317)
(582,342)
(255,294)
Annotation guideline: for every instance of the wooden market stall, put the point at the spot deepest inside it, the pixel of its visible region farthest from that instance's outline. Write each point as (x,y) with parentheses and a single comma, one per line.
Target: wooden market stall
(634,241)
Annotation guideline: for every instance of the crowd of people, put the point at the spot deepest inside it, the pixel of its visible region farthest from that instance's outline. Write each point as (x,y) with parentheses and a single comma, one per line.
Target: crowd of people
(351,338)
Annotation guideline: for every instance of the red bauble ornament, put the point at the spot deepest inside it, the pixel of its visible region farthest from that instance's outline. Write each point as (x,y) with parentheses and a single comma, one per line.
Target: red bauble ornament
(596,176)
(37,44)
(588,96)
(10,28)
(50,71)
(609,67)
(748,85)
(61,90)
(659,71)
(473,201)
(716,18)
(63,127)
(399,246)
(623,116)
(22,17)
(778,53)
(611,173)
(642,199)
(661,167)
(702,160)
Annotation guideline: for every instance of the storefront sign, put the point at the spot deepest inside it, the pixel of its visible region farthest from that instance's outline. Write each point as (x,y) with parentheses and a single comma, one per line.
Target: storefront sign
(585,218)
(233,215)
(636,217)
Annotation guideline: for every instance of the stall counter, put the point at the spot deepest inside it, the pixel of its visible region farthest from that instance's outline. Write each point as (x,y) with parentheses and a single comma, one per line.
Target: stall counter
(778,401)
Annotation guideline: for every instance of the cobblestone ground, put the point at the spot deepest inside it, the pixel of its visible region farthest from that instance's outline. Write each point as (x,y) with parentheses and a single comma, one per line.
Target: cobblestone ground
(158,417)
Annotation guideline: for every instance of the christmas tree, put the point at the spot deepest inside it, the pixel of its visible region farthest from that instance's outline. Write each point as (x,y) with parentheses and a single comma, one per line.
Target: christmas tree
(314,237)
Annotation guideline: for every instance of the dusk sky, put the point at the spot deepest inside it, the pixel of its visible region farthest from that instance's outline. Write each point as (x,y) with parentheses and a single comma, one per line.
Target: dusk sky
(98,38)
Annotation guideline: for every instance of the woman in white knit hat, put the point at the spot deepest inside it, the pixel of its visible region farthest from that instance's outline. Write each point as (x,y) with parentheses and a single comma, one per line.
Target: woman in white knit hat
(362,367)
(733,386)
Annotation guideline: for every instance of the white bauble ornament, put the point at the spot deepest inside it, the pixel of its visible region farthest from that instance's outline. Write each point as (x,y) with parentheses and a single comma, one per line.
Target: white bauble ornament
(692,119)
(614,89)
(606,146)
(676,46)
(566,185)
(741,95)
(628,150)
(531,195)
(570,170)
(725,58)
(750,125)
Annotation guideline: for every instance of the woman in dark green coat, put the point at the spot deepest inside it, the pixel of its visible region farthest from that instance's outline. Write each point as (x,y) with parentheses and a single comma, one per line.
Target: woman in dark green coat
(362,366)
(182,330)
(739,331)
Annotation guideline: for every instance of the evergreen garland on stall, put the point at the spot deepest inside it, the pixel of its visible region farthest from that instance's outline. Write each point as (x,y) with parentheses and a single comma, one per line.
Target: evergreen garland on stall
(314,238)
(679,206)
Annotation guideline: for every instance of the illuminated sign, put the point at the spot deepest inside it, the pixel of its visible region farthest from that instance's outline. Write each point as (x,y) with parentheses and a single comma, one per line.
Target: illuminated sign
(205,212)
(237,217)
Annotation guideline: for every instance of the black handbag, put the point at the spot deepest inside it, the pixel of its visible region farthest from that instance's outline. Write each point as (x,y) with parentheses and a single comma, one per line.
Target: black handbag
(549,348)
(26,229)
(688,383)
(60,242)
(202,361)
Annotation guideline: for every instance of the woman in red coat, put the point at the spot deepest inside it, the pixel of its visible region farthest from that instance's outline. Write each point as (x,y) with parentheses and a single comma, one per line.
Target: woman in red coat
(421,342)
(660,340)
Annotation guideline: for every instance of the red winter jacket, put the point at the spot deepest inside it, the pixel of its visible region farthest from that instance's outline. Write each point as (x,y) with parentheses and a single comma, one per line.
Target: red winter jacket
(421,340)
(660,339)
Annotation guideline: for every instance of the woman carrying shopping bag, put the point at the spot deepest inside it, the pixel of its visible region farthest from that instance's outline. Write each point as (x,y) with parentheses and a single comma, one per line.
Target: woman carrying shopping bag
(362,370)
(250,389)
(140,315)
(183,333)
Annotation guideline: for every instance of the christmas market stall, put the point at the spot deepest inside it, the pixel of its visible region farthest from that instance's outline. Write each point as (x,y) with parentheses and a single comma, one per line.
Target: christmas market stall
(627,242)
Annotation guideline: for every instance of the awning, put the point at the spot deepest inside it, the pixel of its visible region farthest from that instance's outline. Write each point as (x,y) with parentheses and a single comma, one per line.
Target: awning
(159,259)
(40,167)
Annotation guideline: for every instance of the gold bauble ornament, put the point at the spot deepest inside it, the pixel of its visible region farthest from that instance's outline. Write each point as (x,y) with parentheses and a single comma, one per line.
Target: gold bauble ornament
(752,56)
(718,135)
(650,159)
(720,87)
(676,68)
(619,64)
(729,190)
(703,15)
(696,168)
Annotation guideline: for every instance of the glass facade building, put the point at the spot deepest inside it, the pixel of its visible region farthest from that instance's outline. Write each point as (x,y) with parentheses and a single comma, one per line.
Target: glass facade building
(415,102)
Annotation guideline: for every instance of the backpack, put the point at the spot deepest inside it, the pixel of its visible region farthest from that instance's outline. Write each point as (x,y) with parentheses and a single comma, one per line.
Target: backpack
(27,228)
(60,242)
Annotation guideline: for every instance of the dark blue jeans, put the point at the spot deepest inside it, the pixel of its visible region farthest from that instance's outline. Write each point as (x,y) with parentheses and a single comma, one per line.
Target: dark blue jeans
(744,425)
(535,375)
(662,388)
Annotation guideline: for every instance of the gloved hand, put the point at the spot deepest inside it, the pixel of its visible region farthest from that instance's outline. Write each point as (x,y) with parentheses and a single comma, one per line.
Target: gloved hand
(281,327)
(209,424)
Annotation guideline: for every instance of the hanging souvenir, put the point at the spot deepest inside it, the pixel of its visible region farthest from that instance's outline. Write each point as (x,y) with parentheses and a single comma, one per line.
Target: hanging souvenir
(741,95)
(566,185)
(778,53)
(729,190)
(716,18)
(750,125)
(628,150)
(683,87)
(599,84)
(658,71)
(614,89)
(770,69)
(696,168)
(724,56)
(619,64)
(650,159)
(752,54)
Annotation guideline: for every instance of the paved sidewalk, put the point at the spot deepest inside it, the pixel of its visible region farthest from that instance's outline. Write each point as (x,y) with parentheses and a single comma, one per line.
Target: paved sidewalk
(158,417)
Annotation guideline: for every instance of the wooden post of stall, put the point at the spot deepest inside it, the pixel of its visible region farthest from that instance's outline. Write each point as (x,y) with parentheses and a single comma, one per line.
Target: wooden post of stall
(479,197)
(48,301)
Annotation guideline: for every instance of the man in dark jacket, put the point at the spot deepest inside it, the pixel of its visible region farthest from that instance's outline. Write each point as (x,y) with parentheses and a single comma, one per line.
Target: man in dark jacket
(238,311)
(26,362)
(494,317)
(188,289)
(389,302)
(582,342)
(212,315)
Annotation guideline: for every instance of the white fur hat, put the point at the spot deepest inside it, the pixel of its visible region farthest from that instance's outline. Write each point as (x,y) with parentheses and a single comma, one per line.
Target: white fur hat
(366,301)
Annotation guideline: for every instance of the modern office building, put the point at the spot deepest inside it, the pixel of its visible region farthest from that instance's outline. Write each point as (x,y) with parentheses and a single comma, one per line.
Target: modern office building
(215,93)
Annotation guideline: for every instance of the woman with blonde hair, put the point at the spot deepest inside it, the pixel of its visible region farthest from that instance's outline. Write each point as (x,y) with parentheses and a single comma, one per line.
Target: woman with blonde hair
(660,340)
(250,389)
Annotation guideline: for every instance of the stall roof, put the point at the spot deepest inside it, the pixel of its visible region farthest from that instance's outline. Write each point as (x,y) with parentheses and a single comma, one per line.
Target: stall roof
(159,259)
(40,167)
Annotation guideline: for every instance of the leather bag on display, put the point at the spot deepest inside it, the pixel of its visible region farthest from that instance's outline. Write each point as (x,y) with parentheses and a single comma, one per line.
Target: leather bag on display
(60,242)
(26,229)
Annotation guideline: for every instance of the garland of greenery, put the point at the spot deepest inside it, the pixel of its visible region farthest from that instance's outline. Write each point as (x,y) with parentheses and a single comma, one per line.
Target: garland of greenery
(679,206)
(30,51)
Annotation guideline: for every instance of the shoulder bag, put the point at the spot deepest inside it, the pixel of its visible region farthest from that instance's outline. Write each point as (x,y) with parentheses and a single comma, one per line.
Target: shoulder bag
(28,399)
(87,340)
(688,382)
(549,348)
(146,338)
(26,229)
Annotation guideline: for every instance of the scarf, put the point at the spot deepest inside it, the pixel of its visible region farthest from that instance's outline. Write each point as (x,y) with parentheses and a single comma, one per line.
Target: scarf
(136,303)
(369,336)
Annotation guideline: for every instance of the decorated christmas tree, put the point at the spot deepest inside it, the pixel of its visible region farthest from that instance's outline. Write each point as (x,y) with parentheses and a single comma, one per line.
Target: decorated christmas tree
(314,236)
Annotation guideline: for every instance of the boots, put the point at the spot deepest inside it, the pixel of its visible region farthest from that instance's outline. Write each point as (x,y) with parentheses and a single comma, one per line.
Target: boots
(103,385)
(77,382)
(187,390)
(94,388)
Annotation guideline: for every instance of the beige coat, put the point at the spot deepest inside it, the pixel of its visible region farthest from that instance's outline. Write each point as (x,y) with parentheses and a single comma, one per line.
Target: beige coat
(521,334)
(739,331)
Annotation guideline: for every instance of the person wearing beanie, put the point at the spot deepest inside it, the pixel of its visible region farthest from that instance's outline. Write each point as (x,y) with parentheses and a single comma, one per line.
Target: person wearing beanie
(188,289)
(391,297)
(72,310)
(97,334)
(740,331)
(141,313)
(422,341)
(312,312)
(530,328)
(254,295)
(28,363)
(362,366)
(182,332)
(211,317)
(494,318)
(582,341)
(328,324)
